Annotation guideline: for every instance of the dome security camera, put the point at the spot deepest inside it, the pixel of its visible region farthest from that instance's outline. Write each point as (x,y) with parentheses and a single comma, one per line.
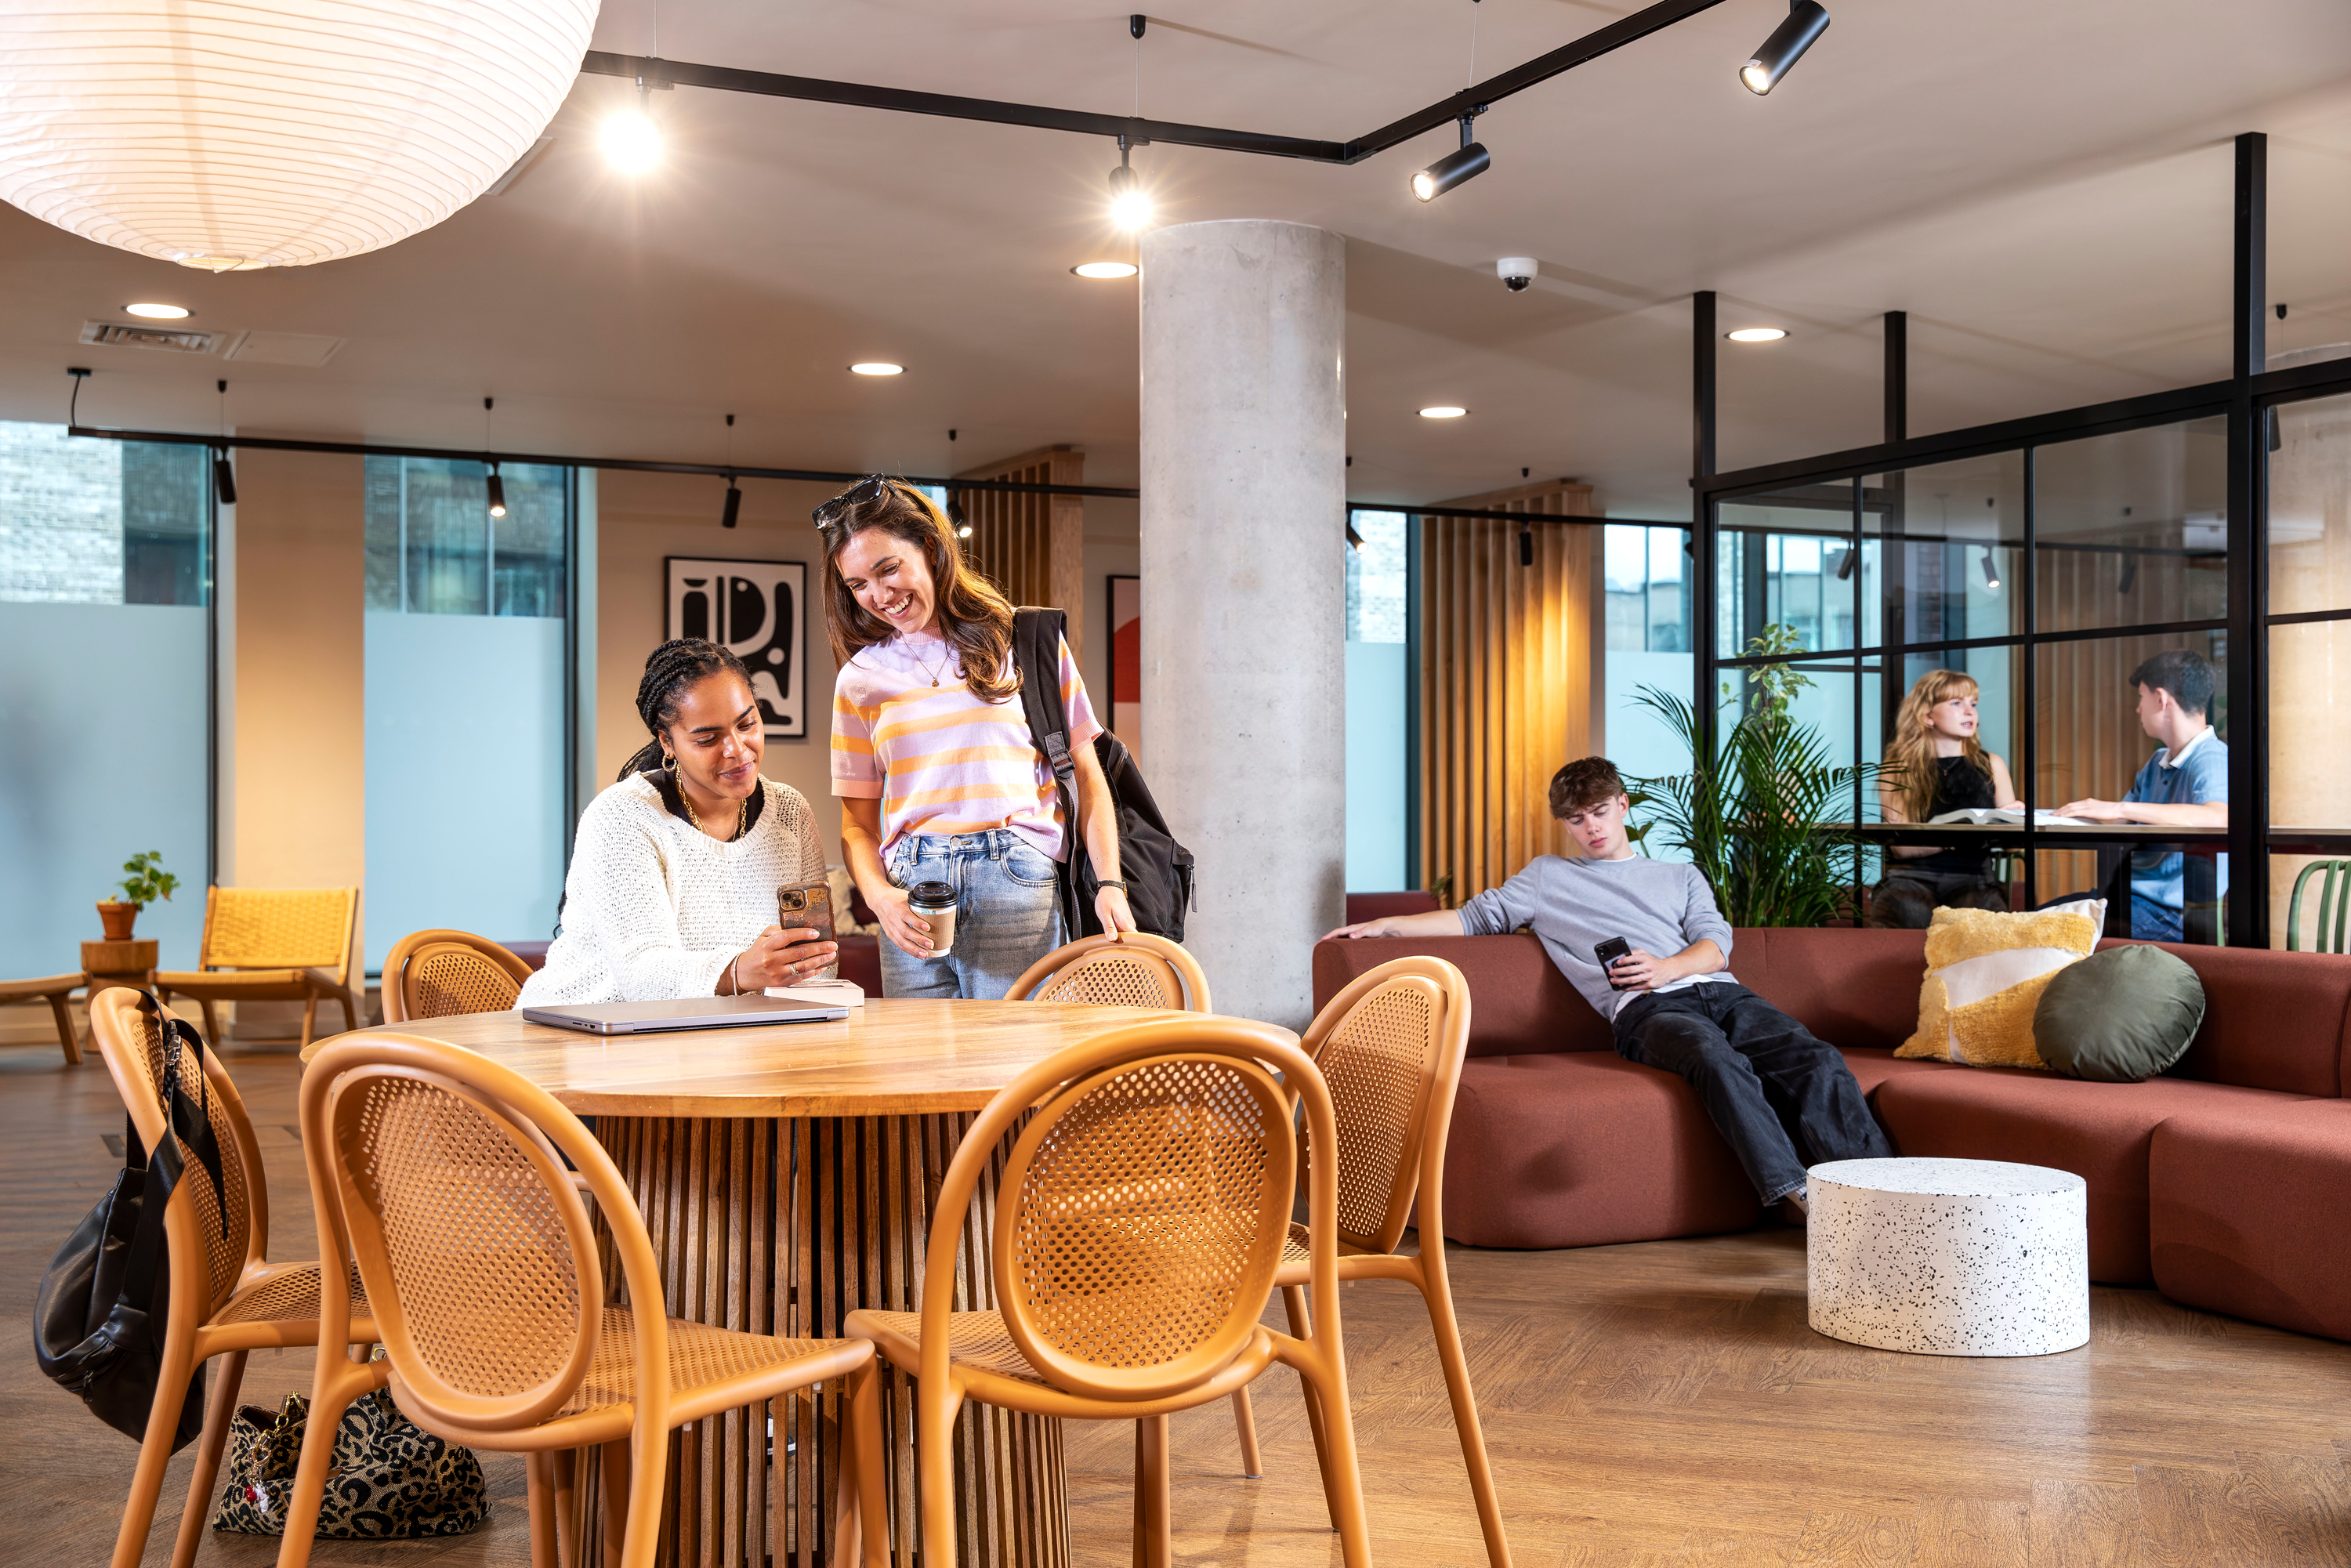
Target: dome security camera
(1516,272)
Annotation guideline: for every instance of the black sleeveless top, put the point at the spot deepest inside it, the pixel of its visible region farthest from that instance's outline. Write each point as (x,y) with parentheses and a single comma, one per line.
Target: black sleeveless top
(1959,786)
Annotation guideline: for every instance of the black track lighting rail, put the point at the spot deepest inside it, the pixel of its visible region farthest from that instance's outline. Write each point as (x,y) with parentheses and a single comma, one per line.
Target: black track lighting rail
(900,100)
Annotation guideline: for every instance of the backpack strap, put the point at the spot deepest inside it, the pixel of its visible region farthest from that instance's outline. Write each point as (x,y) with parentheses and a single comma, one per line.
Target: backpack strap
(1036,654)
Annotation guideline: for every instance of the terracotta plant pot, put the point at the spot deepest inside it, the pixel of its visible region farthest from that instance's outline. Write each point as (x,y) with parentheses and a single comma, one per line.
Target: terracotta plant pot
(118,919)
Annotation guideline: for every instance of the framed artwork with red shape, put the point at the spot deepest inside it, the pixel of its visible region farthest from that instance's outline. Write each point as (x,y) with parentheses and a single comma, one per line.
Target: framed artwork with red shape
(1125,712)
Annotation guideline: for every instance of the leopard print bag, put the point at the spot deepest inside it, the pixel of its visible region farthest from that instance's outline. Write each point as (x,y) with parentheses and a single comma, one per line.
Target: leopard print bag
(390,1480)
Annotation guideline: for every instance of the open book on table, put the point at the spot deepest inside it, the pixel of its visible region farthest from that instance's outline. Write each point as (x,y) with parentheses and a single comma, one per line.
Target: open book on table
(1984,817)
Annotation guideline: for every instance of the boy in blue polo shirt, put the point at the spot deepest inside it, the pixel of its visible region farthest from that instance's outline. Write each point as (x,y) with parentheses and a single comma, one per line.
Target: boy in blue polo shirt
(2185,784)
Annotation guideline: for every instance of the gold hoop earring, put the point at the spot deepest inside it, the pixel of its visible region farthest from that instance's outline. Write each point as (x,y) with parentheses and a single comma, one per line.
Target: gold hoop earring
(669,763)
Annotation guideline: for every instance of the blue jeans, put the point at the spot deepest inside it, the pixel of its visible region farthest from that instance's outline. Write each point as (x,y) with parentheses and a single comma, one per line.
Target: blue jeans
(1008,913)
(2154,921)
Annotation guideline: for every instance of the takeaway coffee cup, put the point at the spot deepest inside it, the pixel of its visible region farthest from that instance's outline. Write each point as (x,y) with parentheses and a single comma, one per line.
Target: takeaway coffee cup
(934,902)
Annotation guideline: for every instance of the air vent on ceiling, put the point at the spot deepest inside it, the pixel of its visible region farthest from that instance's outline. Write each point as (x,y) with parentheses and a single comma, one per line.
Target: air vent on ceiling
(124,335)
(284,349)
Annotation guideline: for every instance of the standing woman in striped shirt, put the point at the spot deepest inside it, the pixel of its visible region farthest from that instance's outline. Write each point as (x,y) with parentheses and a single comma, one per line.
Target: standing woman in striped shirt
(939,777)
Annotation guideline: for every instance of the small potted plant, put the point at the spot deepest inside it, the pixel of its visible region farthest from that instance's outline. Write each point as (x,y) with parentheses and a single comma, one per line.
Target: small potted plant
(147,881)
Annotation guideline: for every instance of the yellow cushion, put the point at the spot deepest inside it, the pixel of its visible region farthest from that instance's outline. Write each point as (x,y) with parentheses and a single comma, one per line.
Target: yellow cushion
(1985,974)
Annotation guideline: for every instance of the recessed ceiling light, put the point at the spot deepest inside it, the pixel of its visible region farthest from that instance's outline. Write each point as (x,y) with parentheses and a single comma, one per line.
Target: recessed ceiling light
(877,368)
(158,312)
(1757,334)
(1443,411)
(1104,269)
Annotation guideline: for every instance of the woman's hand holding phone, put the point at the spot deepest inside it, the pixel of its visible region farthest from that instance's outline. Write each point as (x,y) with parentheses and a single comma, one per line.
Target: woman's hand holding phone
(781,957)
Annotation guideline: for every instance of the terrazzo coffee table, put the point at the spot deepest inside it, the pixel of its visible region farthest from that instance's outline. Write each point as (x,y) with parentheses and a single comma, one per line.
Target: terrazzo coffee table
(1950,1257)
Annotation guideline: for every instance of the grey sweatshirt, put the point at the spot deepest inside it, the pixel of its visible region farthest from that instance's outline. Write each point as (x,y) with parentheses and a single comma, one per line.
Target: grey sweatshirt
(1660,906)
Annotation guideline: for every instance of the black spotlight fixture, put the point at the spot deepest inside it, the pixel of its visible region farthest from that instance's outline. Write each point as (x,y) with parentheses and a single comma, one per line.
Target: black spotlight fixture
(1526,546)
(1991,572)
(224,477)
(1354,539)
(2130,574)
(497,488)
(733,507)
(1847,559)
(1464,161)
(1806,21)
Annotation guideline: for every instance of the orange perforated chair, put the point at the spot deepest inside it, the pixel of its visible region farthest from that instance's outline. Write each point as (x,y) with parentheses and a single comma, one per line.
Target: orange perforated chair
(226,1299)
(442,1174)
(274,945)
(433,974)
(1136,970)
(1140,1225)
(1390,1046)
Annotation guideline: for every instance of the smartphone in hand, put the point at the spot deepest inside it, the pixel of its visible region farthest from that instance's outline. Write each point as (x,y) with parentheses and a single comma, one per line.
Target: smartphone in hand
(1608,952)
(806,905)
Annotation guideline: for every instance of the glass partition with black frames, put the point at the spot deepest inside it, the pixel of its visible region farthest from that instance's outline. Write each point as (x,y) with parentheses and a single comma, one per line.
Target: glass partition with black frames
(2151,602)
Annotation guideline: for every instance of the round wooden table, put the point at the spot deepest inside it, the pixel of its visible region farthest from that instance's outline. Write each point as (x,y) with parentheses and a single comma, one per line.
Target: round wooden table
(785,1174)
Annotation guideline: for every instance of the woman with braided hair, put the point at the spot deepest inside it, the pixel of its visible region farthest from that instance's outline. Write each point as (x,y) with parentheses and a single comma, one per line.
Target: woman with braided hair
(675,866)
(940,778)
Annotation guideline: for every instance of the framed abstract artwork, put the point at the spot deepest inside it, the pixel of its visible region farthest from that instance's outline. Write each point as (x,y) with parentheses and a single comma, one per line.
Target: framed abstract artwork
(758,610)
(1125,714)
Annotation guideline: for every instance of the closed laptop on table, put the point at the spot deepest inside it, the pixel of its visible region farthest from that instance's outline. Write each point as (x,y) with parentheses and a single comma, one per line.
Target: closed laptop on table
(693,1013)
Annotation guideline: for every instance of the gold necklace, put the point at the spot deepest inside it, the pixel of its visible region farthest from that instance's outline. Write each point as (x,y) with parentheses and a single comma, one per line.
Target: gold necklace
(742,812)
(934,675)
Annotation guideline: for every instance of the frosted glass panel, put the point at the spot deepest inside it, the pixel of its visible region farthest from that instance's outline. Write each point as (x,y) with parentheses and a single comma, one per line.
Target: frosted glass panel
(104,707)
(464,775)
(1375,766)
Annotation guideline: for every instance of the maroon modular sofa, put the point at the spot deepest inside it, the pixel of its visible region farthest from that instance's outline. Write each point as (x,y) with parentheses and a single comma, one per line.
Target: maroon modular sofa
(2222,1182)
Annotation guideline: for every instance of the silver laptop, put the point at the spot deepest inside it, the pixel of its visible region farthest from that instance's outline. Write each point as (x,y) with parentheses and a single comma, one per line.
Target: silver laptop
(694,1012)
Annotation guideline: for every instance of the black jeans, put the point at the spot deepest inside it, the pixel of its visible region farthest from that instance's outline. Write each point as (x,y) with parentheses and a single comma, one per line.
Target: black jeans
(1782,1097)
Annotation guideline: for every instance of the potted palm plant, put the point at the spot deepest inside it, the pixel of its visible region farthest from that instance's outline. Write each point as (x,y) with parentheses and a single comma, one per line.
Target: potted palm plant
(1750,816)
(146,882)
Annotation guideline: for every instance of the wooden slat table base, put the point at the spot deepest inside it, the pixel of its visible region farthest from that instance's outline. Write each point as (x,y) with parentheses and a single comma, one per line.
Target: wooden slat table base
(784,1226)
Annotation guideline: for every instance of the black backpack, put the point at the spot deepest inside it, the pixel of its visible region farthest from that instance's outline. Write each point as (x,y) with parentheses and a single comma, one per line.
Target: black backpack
(1156,869)
(98,1320)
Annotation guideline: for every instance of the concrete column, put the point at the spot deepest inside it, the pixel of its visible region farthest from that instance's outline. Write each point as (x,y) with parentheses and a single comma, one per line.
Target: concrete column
(1244,592)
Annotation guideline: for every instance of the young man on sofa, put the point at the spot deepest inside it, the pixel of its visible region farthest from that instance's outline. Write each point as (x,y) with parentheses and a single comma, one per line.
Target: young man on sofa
(1782,1098)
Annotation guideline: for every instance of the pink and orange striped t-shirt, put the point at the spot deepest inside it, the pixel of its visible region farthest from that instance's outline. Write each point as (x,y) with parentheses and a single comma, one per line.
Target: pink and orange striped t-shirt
(938,759)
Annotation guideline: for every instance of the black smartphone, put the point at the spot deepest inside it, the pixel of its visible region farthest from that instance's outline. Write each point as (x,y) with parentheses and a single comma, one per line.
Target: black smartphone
(1608,952)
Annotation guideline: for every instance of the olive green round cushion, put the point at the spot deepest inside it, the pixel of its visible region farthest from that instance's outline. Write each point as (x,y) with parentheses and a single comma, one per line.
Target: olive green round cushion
(2119,1016)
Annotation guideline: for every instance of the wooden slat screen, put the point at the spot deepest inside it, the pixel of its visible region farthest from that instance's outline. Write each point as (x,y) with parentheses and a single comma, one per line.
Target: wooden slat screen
(1032,547)
(1508,681)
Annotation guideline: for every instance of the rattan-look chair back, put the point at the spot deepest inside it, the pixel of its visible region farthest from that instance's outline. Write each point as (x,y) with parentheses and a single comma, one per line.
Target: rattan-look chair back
(1146,1206)
(1388,1045)
(227,1225)
(226,1300)
(279,928)
(474,1246)
(434,974)
(1135,970)
(442,1174)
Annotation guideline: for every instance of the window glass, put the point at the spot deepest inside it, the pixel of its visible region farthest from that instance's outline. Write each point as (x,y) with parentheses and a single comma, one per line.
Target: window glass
(1376,698)
(1942,546)
(1645,572)
(2132,529)
(104,578)
(1785,563)
(2310,507)
(465,638)
(434,549)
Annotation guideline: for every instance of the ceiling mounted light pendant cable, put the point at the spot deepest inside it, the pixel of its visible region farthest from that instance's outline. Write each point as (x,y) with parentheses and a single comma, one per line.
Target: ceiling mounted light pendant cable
(734,506)
(1465,161)
(1805,22)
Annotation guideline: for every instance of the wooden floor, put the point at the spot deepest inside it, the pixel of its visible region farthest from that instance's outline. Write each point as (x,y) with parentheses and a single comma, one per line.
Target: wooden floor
(1651,1406)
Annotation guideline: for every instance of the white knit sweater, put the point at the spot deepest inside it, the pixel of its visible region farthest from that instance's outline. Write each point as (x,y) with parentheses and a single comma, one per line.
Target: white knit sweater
(655,909)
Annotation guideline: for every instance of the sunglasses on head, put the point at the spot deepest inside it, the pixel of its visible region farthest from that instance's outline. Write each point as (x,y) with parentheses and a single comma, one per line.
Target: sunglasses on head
(830,514)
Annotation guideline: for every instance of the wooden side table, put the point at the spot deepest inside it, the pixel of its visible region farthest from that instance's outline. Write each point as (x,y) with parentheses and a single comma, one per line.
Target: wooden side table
(131,963)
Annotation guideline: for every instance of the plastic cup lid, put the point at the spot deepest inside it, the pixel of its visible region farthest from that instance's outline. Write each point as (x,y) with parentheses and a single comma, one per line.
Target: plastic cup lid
(933,895)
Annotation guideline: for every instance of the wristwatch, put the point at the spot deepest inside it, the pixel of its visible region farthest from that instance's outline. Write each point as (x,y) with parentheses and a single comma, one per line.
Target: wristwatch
(1120,885)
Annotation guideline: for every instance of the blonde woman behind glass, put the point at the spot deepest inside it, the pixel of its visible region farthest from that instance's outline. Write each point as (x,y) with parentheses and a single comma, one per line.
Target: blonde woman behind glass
(1935,763)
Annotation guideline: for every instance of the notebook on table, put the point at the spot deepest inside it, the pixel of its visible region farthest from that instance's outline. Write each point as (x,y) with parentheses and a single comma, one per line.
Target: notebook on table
(693,1013)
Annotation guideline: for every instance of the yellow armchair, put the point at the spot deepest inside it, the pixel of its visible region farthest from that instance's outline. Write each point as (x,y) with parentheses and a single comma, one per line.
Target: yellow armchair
(274,943)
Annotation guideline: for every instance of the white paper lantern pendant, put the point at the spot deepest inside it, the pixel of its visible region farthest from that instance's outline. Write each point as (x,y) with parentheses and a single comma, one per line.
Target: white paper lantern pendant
(279,133)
